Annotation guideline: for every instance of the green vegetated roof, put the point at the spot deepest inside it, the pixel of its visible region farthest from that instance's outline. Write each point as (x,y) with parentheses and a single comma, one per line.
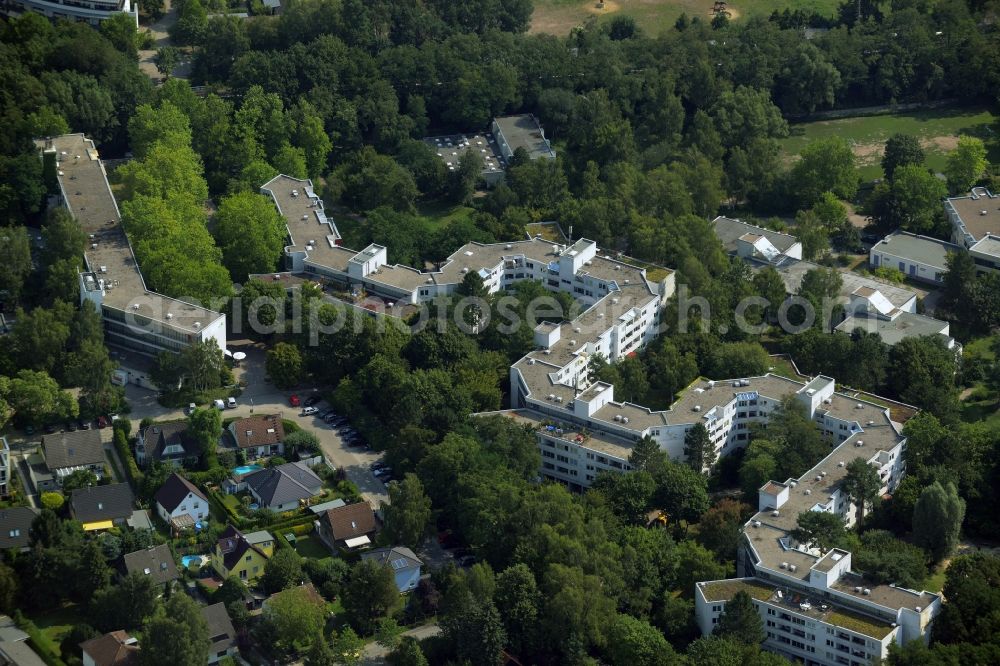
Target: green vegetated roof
(550,231)
(724,590)
(859,623)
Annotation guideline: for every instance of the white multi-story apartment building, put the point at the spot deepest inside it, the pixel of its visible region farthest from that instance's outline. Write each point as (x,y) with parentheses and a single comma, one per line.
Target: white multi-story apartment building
(975,225)
(89,11)
(814,608)
(4,467)
(134,317)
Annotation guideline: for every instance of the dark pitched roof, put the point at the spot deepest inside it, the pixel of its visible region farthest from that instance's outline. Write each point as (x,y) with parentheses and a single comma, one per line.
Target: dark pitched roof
(399,557)
(156,562)
(350,521)
(290,482)
(14,526)
(174,490)
(258,431)
(102,502)
(160,436)
(221,632)
(233,545)
(112,649)
(70,449)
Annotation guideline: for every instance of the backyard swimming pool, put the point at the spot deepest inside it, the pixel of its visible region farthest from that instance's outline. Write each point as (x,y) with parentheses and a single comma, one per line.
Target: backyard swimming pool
(246,469)
(198,560)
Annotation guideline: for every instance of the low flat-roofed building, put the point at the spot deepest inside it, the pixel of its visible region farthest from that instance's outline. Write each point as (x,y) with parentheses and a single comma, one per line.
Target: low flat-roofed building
(748,241)
(521,131)
(918,257)
(452,148)
(134,317)
(986,253)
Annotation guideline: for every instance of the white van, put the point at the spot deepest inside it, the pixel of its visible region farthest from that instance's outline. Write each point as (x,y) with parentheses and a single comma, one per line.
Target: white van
(231,403)
(219,404)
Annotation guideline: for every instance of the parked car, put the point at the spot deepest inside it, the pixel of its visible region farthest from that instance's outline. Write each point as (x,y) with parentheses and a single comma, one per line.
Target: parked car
(384,472)
(378,464)
(293,400)
(84,424)
(312,400)
(102,421)
(190,409)
(231,402)
(219,404)
(308,411)
(29,430)
(325,413)
(50,428)
(71,426)
(330,416)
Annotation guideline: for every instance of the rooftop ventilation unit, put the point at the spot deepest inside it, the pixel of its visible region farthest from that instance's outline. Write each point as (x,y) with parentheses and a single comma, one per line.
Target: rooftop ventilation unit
(135,306)
(577,329)
(784,565)
(775,513)
(858,589)
(736,384)
(615,300)
(866,592)
(531,361)
(170,315)
(507,246)
(823,473)
(618,417)
(552,396)
(546,351)
(859,406)
(558,398)
(808,492)
(197,325)
(793,568)
(840,464)
(624,419)
(756,523)
(696,408)
(870,423)
(818,478)
(811,392)
(828,401)
(859,443)
(711,384)
(917,608)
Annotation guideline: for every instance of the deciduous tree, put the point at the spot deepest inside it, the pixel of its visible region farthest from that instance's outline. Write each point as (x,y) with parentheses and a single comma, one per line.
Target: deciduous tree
(739,621)
(937,520)
(408,513)
(698,448)
(966,164)
(862,485)
(901,150)
(176,635)
(284,365)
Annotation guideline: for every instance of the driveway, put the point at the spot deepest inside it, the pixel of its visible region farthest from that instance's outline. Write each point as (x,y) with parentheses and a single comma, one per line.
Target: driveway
(375,653)
(261,397)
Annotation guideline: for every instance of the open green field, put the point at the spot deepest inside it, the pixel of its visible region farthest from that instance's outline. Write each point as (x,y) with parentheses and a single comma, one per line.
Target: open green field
(937,129)
(558,17)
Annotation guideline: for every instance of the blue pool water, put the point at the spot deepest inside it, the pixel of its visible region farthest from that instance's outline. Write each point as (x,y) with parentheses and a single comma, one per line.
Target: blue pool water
(246,469)
(188,560)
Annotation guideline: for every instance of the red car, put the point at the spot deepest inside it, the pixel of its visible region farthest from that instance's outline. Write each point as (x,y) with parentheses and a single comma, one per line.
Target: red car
(293,400)
(102,422)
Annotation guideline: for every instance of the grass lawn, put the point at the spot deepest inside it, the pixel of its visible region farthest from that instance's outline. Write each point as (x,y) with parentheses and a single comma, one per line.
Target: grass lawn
(439,213)
(557,17)
(57,623)
(310,546)
(937,129)
(934,582)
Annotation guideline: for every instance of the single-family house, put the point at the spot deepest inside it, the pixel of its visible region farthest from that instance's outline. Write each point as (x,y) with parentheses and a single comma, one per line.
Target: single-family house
(165,442)
(157,562)
(404,563)
(115,648)
(221,632)
(67,452)
(259,436)
(180,504)
(236,556)
(282,488)
(102,507)
(751,242)
(350,526)
(14,526)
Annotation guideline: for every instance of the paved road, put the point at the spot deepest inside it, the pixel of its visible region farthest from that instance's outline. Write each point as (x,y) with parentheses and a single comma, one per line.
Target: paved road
(261,397)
